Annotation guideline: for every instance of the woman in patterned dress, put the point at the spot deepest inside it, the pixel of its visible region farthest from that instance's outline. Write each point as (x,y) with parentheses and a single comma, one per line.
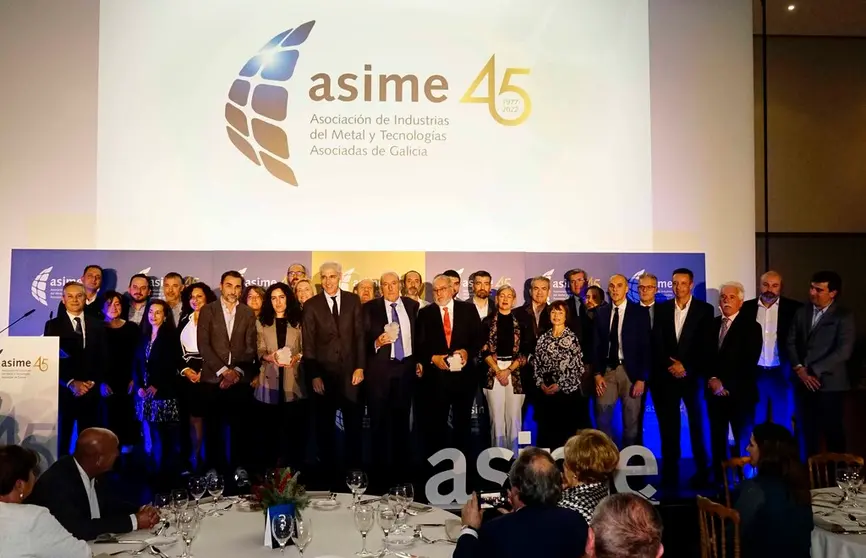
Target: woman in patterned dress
(155,378)
(558,364)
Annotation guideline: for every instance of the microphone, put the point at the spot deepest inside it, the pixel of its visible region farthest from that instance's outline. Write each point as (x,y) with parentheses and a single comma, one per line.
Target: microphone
(26,314)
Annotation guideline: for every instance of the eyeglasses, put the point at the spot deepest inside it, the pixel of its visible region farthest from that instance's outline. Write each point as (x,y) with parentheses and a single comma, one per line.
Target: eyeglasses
(647,288)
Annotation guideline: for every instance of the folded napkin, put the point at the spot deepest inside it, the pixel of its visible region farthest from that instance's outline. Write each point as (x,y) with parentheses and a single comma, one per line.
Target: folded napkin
(318,494)
(838,523)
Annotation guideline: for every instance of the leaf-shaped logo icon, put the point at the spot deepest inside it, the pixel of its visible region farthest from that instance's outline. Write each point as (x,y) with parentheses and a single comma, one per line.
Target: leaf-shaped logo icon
(243,271)
(145,271)
(346,280)
(548,274)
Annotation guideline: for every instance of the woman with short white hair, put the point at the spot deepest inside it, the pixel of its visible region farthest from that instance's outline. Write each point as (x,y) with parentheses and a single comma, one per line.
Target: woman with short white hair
(507,346)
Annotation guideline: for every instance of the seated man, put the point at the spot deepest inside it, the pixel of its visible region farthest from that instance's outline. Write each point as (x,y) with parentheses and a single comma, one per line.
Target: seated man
(71,492)
(537,527)
(625,526)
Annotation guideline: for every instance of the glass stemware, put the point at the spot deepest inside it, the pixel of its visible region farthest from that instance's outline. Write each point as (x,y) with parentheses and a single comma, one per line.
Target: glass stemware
(387,518)
(197,488)
(357,482)
(162,503)
(188,527)
(215,486)
(855,481)
(364,519)
(302,533)
(843,482)
(282,528)
(399,501)
(179,502)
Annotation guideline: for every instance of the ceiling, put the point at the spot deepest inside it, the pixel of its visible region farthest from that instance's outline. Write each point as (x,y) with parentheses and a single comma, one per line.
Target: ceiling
(846,18)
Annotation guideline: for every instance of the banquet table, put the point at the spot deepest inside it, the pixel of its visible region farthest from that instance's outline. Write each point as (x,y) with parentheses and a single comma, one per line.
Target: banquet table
(241,533)
(835,534)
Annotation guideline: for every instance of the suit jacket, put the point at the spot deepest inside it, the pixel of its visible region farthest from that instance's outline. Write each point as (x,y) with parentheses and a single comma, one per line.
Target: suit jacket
(491,306)
(826,348)
(61,490)
(86,362)
(93,309)
(215,346)
(582,325)
(636,346)
(160,370)
(695,345)
(787,308)
(332,353)
(465,334)
(734,362)
(293,383)
(376,317)
(548,531)
(526,314)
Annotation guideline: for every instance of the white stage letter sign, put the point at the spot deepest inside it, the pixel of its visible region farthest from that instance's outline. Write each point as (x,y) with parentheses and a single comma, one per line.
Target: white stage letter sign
(624,470)
(28,394)
(457,474)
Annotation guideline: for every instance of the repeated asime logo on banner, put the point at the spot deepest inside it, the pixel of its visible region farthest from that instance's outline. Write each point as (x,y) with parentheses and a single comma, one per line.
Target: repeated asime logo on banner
(258,104)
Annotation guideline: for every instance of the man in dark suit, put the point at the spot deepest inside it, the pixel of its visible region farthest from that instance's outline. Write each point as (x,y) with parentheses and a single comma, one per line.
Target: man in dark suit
(228,345)
(390,374)
(481,294)
(334,353)
(578,318)
(682,347)
(622,361)
(820,343)
(91,278)
(732,391)
(775,314)
(536,311)
(83,371)
(537,526)
(448,340)
(72,491)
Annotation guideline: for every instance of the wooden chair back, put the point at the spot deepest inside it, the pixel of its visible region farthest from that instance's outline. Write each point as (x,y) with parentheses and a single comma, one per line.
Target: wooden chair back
(720,530)
(734,469)
(822,467)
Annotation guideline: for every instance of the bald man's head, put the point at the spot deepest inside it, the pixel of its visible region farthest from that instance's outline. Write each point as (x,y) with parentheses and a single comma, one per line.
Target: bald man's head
(96,451)
(535,477)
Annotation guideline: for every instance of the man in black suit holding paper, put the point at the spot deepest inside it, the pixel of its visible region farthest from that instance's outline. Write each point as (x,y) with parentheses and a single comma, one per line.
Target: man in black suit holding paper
(683,346)
(732,389)
(82,371)
(389,324)
(447,343)
(334,357)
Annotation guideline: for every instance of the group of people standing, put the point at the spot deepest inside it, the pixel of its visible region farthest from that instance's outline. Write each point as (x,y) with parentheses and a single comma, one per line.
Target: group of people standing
(238,379)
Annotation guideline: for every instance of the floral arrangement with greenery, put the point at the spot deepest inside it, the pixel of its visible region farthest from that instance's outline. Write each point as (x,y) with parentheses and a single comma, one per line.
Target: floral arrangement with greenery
(281,487)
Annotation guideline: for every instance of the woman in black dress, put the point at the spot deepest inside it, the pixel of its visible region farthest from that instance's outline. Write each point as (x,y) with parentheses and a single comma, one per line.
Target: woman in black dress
(122,339)
(193,298)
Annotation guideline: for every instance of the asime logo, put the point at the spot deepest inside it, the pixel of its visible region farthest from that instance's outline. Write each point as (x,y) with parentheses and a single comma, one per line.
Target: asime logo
(39,286)
(258,101)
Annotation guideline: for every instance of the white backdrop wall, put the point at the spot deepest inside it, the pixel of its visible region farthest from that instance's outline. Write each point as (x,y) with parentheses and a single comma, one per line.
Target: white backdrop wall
(664,157)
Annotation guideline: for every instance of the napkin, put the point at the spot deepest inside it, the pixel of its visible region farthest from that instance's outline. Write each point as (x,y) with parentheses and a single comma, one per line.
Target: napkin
(838,523)
(316,494)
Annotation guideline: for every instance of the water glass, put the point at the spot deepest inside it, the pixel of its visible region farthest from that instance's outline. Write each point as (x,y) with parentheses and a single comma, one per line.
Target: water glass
(387,518)
(282,528)
(179,502)
(302,533)
(399,498)
(855,481)
(188,527)
(162,503)
(364,519)
(357,482)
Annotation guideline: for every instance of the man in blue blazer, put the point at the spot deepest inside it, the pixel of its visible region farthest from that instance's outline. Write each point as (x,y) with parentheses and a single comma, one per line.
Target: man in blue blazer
(622,361)
(537,526)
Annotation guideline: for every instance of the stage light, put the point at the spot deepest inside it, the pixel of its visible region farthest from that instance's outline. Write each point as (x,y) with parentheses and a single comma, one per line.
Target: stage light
(791,7)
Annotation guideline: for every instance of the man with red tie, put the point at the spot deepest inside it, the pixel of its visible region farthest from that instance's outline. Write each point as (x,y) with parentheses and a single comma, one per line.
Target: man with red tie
(447,343)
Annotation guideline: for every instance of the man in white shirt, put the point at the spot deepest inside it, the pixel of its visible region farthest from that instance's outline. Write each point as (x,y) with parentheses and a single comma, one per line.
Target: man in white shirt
(88,513)
(413,287)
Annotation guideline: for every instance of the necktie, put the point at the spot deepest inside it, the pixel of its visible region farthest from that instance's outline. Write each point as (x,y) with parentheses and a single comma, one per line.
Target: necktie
(398,345)
(726,323)
(78,329)
(613,352)
(334,310)
(816,317)
(446,322)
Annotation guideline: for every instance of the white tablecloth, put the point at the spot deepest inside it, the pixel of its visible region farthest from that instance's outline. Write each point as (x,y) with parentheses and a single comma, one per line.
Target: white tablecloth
(827,544)
(239,533)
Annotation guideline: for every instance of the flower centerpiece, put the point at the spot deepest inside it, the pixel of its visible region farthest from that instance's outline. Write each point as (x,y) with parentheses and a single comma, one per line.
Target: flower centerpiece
(280,494)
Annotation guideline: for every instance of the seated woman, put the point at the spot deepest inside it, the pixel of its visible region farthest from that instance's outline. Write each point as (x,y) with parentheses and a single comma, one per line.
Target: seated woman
(591,459)
(27,530)
(776,506)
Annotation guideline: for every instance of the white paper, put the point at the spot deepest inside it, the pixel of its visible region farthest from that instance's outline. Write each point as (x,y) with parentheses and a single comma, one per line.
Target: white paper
(524,438)
(284,356)
(456,363)
(268,530)
(392,330)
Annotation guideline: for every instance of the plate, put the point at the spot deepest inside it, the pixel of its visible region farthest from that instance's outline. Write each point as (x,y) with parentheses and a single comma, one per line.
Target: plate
(325,505)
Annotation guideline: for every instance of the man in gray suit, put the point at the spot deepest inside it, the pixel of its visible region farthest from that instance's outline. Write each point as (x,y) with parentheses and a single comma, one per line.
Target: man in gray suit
(819,345)
(227,343)
(333,335)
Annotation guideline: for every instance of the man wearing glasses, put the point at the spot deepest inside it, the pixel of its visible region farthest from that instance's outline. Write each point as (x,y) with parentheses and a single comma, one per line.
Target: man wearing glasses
(295,273)
(648,288)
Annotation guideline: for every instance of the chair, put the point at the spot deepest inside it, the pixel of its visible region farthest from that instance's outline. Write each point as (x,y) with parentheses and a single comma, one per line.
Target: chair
(735,466)
(715,535)
(820,465)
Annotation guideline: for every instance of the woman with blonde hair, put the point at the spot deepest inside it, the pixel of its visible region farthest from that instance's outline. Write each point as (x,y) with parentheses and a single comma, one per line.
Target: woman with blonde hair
(591,458)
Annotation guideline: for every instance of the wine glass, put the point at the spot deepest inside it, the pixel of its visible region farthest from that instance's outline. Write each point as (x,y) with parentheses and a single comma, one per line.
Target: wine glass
(407,492)
(302,533)
(855,481)
(282,528)
(197,487)
(387,518)
(189,524)
(179,502)
(364,518)
(843,482)
(215,486)
(400,499)
(162,503)
(357,482)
